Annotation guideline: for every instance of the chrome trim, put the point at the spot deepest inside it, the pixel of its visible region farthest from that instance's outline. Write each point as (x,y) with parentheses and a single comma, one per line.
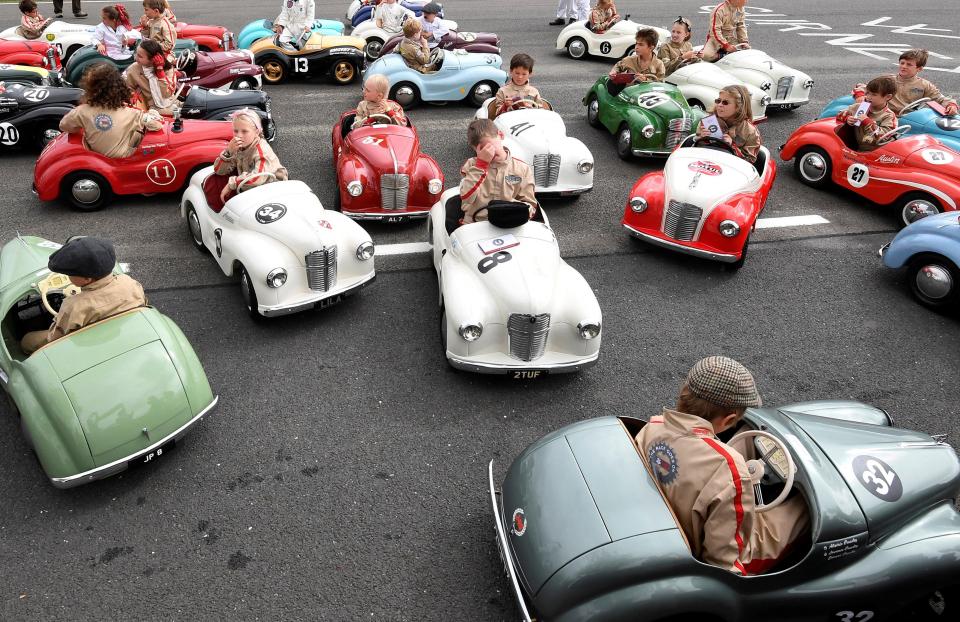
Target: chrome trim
(883,249)
(504,548)
(321,268)
(646,237)
(491,368)
(398,214)
(650,153)
(563,193)
(3,377)
(279,310)
(120,465)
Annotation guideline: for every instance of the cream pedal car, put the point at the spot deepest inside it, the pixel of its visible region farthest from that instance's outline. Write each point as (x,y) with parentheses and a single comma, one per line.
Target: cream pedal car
(376,37)
(615,42)
(787,87)
(509,303)
(701,82)
(290,254)
(67,38)
(562,165)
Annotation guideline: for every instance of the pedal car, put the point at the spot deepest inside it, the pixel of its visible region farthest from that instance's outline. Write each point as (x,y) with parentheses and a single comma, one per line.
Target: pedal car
(340,58)
(376,36)
(915,175)
(163,162)
(360,11)
(34,53)
(924,116)
(115,395)
(701,82)
(788,88)
(648,119)
(562,165)
(235,69)
(476,42)
(219,104)
(460,75)
(25,74)
(30,115)
(263,29)
(584,531)
(289,253)
(381,172)
(208,38)
(704,202)
(930,250)
(85,57)
(615,42)
(509,303)
(67,38)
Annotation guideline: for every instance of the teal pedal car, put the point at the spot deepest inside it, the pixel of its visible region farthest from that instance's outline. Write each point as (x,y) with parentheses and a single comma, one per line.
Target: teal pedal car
(923,116)
(87,56)
(115,395)
(649,119)
(263,28)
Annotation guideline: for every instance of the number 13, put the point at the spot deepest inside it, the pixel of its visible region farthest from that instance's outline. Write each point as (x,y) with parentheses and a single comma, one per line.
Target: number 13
(301,65)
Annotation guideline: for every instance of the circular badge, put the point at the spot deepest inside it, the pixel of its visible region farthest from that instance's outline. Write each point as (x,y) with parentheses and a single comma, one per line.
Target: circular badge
(950,124)
(605,47)
(878,478)
(51,36)
(271,212)
(36,95)
(161,172)
(103,122)
(519,526)
(663,461)
(936,156)
(858,175)
(9,134)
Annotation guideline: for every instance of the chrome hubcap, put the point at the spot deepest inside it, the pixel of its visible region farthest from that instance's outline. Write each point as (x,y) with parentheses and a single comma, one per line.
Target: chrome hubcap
(195,228)
(623,141)
(373,48)
(593,110)
(404,95)
(915,210)
(243,85)
(934,281)
(86,191)
(576,48)
(482,92)
(344,71)
(813,167)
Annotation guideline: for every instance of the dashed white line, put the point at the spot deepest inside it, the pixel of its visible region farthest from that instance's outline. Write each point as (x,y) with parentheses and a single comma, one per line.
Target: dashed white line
(406,248)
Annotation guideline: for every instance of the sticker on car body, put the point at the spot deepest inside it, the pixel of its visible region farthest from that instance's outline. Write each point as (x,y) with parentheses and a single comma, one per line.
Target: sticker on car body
(9,134)
(605,47)
(878,478)
(844,547)
(706,168)
(936,156)
(950,124)
(488,247)
(271,212)
(36,95)
(518,525)
(652,100)
(489,263)
(161,172)
(858,175)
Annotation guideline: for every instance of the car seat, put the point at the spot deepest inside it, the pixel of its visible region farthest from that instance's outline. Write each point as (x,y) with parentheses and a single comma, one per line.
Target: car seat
(454,212)
(761,162)
(347,124)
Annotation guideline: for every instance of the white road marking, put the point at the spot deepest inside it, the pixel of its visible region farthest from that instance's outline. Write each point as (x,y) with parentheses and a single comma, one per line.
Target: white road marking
(402,249)
(791,221)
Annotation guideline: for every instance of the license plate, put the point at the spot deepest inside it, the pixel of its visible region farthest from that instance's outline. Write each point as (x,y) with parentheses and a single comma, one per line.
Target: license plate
(151,456)
(394,219)
(528,374)
(329,302)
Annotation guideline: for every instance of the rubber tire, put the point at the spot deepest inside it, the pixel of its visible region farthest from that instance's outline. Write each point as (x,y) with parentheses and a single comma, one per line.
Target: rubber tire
(416,94)
(106,193)
(952,300)
(899,204)
(70,51)
(735,266)
(249,294)
(443,330)
(628,153)
(284,72)
(235,85)
(337,201)
(586,48)
(366,48)
(271,132)
(336,79)
(696,103)
(594,122)
(827,173)
(191,211)
(472,97)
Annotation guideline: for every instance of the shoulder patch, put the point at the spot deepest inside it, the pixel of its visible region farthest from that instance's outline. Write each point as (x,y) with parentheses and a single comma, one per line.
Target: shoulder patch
(663,461)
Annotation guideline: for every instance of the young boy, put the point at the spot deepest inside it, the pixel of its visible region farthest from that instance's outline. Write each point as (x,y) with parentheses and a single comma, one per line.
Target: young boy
(911,87)
(389,16)
(157,27)
(32,23)
(89,263)
(493,175)
(727,32)
(878,120)
(646,66)
(431,25)
(414,48)
(295,19)
(375,101)
(518,88)
(707,482)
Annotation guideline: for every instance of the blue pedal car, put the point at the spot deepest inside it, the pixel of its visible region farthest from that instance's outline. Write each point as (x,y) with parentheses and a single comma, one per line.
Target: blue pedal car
(460,76)
(360,11)
(930,250)
(263,28)
(921,118)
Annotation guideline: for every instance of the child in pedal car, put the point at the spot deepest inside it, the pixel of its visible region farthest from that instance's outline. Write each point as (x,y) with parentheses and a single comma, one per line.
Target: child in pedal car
(727,31)
(414,48)
(152,79)
(246,162)
(157,27)
(32,24)
(493,175)
(644,64)
(113,33)
(879,119)
(375,102)
(678,50)
(734,112)
(517,88)
(602,16)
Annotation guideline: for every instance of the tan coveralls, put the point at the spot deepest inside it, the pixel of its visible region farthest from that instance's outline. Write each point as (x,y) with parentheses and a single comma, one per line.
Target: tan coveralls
(163,32)
(253,160)
(652,72)
(601,19)
(386,106)
(32,27)
(867,133)
(138,81)
(414,55)
(727,27)
(113,133)
(484,182)
(670,54)
(745,137)
(509,93)
(909,91)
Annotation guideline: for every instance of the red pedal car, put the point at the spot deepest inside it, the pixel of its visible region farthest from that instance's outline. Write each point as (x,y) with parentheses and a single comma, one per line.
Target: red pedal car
(33,53)
(381,173)
(164,162)
(916,175)
(208,38)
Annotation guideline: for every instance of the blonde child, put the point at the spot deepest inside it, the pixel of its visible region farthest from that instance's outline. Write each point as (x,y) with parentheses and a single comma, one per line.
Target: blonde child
(678,51)
(375,102)
(733,111)
(246,161)
(414,48)
(603,16)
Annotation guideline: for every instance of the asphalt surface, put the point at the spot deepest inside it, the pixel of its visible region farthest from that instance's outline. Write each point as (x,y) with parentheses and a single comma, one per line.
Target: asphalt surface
(343,475)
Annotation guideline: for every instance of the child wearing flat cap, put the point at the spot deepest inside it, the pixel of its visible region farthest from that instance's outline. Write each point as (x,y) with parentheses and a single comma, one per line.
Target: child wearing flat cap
(707,482)
(89,263)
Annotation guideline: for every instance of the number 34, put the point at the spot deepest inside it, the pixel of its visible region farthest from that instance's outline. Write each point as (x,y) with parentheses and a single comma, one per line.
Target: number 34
(850,616)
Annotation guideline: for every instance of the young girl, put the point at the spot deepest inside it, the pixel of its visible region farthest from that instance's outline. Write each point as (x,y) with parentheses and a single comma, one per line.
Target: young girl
(678,50)
(414,48)
(603,16)
(113,33)
(734,113)
(246,161)
(152,79)
(110,127)
(375,102)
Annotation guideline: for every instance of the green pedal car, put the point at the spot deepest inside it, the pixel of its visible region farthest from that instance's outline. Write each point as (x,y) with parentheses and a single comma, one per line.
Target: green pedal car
(648,119)
(114,395)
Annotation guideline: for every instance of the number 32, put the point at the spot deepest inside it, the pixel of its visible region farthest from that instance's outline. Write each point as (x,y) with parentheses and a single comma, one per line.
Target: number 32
(849,616)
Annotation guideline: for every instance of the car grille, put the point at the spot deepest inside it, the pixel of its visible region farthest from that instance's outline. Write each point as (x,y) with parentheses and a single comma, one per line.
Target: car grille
(783,87)
(682,220)
(393,191)
(677,130)
(546,169)
(528,335)
(322,269)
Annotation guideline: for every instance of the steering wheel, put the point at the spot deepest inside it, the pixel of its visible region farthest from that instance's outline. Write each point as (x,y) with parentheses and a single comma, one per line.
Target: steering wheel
(913,106)
(520,104)
(893,134)
(710,142)
(436,57)
(382,118)
(266,176)
(55,283)
(776,457)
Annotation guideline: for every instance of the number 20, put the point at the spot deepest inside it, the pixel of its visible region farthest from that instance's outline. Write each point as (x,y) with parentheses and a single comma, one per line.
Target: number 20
(850,616)
(300,65)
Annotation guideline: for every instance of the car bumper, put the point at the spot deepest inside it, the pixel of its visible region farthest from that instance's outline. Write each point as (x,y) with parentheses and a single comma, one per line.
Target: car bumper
(522,369)
(681,248)
(321,300)
(883,250)
(791,102)
(388,216)
(504,548)
(568,191)
(122,464)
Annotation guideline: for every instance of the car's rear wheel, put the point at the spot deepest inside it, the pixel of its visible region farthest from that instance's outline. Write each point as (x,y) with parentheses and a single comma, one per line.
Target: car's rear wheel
(343,72)
(624,142)
(443,330)
(274,70)
(813,167)
(934,281)
(593,111)
(372,48)
(193,227)
(86,191)
(481,92)
(270,131)
(735,266)
(249,294)
(913,206)
(577,47)
(405,94)
(244,84)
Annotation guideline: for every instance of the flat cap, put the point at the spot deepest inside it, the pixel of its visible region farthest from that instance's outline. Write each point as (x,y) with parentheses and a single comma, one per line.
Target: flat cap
(88,257)
(724,382)
(431,7)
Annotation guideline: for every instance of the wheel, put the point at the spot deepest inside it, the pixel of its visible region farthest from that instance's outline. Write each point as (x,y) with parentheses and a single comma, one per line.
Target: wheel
(274,70)
(624,142)
(86,191)
(372,48)
(249,295)
(813,167)
(193,227)
(696,103)
(941,604)
(70,51)
(735,266)
(443,329)
(481,92)
(337,206)
(934,281)
(343,72)
(243,84)
(270,132)
(913,206)
(46,131)
(577,47)
(405,94)
(593,111)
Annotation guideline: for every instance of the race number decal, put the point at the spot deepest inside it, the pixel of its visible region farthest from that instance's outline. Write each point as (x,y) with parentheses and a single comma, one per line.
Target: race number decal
(854,616)
(605,47)
(488,247)
(301,65)
(878,478)
(161,172)
(218,238)
(271,212)
(858,175)
(50,245)
(9,135)
(951,124)
(489,263)
(36,95)
(652,100)
(936,156)
(520,128)
(371,140)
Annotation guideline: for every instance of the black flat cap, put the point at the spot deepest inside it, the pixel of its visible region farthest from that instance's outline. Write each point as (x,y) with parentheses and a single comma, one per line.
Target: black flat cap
(431,7)
(88,257)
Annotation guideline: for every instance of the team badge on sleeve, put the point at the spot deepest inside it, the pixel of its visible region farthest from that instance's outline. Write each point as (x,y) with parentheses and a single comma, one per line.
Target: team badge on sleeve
(663,461)
(103,122)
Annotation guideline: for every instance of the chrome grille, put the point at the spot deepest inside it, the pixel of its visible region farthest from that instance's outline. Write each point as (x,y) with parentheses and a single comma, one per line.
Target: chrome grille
(783,87)
(677,130)
(681,221)
(393,191)
(322,268)
(528,335)
(546,169)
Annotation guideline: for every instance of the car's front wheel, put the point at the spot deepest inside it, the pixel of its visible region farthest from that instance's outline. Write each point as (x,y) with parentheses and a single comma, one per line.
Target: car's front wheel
(86,191)
(405,94)
(274,70)
(193,227)
(813,167)
(249,294)
(577,47)
(46,132)
(244,84)
(735,266)
(343,72)
(624,142)
(593,110)
(915,205)
(934,281)
(481,92)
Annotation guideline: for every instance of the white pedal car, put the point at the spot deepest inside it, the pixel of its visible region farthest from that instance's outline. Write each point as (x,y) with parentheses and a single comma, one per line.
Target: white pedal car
(701,82)
(511,305)
(787,87)
(616,42)
(376,37)
(289,252)
(68,38)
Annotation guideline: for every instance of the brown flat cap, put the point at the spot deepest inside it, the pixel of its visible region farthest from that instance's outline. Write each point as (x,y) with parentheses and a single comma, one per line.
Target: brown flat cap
(724,382)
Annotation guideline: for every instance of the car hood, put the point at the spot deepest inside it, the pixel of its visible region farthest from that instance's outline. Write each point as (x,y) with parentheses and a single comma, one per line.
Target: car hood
(452,59)
(539,131)
(208,61)
(318,42)
(387,148)
(577,489)
(758,60)
(188,31)
(658,98)
(704,177)
(707,74)
(31,96)
(195,131)
(22,256)
(926,152)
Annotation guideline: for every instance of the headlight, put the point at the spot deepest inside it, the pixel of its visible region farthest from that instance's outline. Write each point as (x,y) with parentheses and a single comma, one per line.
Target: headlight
(365,251)
(355,188)
(471,332)
(638,204)
(589,330)
(648,131)
(765,101)
(435,186)
(808,84)
(585,166)
(276,278)
(729,229)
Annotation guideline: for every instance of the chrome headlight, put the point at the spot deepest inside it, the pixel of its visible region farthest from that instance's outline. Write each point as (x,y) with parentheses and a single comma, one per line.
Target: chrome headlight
(638,204)
(276,278)
(471,332)
(365,251)
(585,166)
(648,131)
(765,100)
(808,84)
(589,330)
(355,188)
(435,186)
(729,229)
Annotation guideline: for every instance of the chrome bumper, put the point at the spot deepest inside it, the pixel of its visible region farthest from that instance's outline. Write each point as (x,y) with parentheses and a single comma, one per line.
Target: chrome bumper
(680,248)
(504,548)
(563,192)
(325,299)
(883,249)
(387,216)
(525,370)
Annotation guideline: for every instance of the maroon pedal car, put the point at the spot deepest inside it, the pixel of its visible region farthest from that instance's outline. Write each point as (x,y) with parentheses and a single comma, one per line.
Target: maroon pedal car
(234,69)
(479,42)
(33,53)
(381,173)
